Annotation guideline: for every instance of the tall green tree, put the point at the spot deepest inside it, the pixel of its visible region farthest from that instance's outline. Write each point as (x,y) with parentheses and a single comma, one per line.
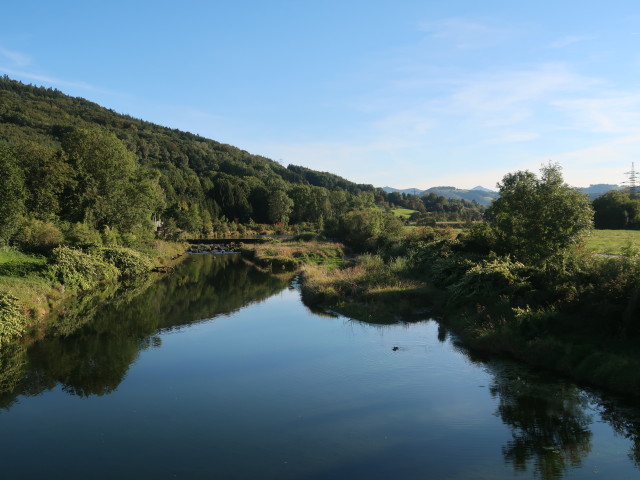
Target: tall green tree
(46,174)
(537,219)
(110,188)
(616,210)
(280,206)
(367,229)
(12,194)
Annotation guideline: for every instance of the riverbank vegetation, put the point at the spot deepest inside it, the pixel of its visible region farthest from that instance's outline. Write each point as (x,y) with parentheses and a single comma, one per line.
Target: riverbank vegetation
(520,284)
(305,249)
(90,342)
(32,285)
(88,196)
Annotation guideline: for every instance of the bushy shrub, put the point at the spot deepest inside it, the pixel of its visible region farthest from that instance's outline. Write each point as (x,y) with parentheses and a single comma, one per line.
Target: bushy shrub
(137,237)
(439,261)
(38,236)
(479,238)
(490,279)
(535,321)
(79,270)
(367,229)
(129,262)
(12,320)
(110,236)
(82,234)
(306,237)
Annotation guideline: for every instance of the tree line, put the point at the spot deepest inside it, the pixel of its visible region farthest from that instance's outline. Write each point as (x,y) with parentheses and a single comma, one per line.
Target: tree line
(70,167)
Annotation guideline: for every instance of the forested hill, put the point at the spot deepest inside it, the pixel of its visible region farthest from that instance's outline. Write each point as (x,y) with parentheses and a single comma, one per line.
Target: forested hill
(67,153)
(480,195)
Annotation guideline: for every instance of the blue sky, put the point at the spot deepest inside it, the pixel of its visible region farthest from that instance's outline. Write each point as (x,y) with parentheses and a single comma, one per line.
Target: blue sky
(400,93)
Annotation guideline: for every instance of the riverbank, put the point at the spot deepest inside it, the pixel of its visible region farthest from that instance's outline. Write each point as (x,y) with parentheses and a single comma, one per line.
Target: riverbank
(367,289)
(287,256)
(579,319)
(33,286)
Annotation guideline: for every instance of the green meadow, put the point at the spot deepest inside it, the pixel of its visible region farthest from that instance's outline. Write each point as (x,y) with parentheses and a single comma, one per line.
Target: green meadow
(613,242)
(403,212)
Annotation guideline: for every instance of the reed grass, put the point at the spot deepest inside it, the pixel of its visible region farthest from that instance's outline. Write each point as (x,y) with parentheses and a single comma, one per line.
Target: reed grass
(368,289)
(290,256)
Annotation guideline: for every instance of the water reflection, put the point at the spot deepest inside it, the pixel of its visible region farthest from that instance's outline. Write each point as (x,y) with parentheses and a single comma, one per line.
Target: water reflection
(89,348)
(548,421)
(624,418)
(300,391)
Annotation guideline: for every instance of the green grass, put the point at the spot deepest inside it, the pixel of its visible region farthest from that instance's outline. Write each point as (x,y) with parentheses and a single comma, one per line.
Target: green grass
(612,242)
(417,230)
(403,212)
(24,277)
(18,264)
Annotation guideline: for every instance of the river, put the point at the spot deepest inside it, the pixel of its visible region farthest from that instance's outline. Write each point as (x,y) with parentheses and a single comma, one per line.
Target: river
(219,371)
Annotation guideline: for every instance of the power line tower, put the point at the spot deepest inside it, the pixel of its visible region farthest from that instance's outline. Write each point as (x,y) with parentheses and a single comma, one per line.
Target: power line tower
(632,179)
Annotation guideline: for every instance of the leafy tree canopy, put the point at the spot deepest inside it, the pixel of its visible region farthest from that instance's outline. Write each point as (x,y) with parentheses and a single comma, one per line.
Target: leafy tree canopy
(617,210)
(536,219)
(12,194)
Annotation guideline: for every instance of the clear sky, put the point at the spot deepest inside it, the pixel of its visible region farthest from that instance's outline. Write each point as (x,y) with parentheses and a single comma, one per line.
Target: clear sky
(401,93)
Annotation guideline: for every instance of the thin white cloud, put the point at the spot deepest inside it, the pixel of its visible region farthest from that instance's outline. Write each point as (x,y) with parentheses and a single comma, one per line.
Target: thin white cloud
(466,34)
(614,114)
(18,59)
(600,162)
(509,97)
(515,137)
(570,40)
(405,124)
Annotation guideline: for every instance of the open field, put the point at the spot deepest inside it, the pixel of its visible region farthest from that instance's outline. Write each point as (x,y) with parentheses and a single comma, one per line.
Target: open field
(613,242)
(403,212)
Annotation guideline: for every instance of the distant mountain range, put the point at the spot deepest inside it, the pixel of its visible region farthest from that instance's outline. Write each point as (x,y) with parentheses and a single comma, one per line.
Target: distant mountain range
(595,191)
(485,196)
(482,195)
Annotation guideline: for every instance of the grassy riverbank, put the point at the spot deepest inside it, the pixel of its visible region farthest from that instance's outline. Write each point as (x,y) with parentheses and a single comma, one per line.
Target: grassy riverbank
(32,285)
(580,317)
(367,289)
(287,256)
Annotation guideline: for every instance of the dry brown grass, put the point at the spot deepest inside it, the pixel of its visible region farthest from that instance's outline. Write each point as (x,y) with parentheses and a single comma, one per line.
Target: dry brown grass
(369,275)
(370,290)
(299,249)
(292,255)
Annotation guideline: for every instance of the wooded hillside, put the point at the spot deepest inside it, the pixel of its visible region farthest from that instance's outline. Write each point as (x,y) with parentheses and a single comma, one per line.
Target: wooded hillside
(73,160)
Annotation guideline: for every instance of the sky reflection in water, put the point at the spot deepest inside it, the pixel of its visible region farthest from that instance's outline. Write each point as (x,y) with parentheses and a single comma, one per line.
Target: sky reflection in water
(219,371)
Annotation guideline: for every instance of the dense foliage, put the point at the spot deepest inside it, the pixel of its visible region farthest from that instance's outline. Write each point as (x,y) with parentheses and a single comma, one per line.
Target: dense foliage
(431,207)
(536,219)
(69,161)
(519,284)
(617,210)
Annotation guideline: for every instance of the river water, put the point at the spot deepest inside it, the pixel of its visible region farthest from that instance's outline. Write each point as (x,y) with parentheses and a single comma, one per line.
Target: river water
(220,372)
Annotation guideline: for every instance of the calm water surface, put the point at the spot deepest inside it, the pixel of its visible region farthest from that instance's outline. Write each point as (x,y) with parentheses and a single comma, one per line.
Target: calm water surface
(220,372)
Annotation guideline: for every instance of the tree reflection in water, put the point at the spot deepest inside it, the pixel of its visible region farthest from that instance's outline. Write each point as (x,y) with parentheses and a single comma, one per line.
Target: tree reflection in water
(624,418)
(89,349)
(549,425)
